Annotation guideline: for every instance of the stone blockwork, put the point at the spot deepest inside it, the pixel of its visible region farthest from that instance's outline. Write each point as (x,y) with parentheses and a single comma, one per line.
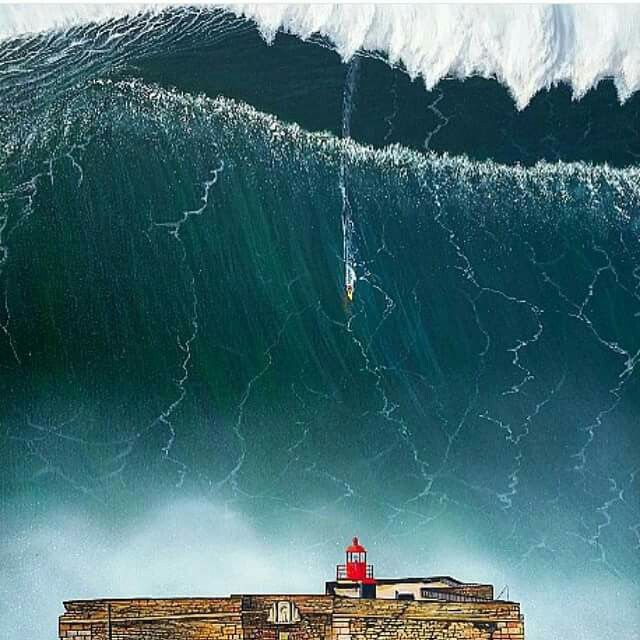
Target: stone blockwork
(316,613)
(391,619)
(252,617)
(153,619)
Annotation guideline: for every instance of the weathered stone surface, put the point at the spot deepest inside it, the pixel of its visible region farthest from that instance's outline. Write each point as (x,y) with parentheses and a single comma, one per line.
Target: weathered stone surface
(245,617)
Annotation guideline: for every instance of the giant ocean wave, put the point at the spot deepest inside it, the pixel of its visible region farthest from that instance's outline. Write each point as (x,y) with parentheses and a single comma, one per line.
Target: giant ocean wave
(173,329)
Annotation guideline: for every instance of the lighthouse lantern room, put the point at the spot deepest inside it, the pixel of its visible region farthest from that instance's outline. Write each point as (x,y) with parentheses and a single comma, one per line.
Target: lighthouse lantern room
(356,568)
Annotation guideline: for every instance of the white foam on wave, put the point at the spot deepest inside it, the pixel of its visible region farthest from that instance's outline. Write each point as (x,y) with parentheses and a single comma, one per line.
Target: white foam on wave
(394,157)
(527,48)
(19,19)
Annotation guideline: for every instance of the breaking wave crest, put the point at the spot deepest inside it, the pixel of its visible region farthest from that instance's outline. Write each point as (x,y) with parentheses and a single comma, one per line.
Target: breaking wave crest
(526,48)
(543,177)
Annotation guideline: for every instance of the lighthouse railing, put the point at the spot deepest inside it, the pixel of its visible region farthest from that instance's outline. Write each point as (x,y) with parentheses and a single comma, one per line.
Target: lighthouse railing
(341,572)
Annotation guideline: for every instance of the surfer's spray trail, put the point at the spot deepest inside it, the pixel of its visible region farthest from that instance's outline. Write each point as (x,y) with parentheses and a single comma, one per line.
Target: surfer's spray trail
(348,226)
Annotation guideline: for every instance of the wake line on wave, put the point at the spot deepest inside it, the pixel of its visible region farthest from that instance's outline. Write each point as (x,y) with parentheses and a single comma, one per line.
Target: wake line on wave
(526,48)
(348,225)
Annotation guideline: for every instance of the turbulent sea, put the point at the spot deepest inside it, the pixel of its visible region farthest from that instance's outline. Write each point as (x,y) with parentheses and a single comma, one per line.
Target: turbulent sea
(189,405)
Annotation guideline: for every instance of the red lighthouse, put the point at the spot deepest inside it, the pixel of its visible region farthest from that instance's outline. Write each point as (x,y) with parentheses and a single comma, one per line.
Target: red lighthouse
(357,570)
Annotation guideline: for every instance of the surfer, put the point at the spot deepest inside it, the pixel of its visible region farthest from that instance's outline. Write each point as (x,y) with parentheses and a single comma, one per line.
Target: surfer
(349,281)
(349,290)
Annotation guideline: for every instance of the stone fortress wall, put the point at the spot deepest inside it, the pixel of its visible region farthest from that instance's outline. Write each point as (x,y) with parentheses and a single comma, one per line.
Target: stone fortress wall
(289,617)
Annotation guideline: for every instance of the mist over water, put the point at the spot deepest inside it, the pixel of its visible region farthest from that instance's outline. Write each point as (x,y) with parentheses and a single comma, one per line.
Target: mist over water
(183,385)
(191,547)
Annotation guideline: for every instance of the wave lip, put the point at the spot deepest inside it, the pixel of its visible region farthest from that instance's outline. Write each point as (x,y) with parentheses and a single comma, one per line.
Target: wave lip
(526,48)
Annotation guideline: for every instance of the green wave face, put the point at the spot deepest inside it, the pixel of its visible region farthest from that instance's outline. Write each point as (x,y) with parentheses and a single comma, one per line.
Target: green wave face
(182,376)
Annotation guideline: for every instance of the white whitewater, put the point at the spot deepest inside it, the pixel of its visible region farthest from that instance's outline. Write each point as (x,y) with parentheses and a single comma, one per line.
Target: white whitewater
(527,48)
(19,19)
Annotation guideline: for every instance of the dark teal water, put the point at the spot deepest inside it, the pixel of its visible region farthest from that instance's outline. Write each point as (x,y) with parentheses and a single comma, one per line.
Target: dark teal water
(173,325)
